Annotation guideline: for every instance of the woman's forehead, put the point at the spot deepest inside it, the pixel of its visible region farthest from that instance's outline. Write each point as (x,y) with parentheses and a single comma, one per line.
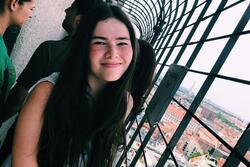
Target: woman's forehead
(111,27)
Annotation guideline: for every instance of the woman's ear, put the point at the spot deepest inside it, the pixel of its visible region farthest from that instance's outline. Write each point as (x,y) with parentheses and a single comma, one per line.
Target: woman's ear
(13,5)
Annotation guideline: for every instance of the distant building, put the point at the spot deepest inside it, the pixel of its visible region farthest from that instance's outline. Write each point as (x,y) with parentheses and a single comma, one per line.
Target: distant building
(175,114)
(208,114)
(203,161)
(208,137)
(191,146)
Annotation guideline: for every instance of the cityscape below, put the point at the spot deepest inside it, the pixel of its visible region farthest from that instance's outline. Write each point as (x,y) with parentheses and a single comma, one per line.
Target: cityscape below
(197,146)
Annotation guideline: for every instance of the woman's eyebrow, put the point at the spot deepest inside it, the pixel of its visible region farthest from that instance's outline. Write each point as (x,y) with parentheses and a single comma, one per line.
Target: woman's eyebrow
(99,37)
(122,38)
(104,38)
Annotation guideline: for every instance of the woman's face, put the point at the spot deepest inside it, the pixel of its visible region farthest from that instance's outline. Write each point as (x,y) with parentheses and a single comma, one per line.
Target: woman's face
(22,12)
(110,50)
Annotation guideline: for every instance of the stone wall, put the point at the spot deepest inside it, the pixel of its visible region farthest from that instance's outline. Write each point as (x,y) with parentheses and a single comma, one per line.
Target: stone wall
(44,25)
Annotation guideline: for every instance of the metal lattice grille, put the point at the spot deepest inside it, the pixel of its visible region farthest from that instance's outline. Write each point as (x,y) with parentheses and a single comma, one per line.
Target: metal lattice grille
(197,112)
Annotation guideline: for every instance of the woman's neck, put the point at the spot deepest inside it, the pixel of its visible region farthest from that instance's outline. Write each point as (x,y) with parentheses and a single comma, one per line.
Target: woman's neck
(96,85)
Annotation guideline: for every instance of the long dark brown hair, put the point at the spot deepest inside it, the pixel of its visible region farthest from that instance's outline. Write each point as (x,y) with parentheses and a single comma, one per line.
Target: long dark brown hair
(79,130)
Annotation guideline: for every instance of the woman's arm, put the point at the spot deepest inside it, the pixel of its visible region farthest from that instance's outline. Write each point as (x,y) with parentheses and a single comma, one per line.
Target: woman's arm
(29,125)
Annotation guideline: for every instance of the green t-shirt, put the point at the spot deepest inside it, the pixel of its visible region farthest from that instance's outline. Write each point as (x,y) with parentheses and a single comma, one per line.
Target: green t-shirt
(7,71)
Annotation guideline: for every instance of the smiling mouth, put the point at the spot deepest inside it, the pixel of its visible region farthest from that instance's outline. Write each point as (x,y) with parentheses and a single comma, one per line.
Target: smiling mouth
(111,65)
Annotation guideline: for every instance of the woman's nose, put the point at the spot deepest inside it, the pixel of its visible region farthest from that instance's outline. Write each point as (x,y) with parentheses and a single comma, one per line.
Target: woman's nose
(112,52)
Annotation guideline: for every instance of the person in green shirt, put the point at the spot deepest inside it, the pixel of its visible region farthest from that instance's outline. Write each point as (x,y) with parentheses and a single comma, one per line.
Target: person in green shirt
(48,58)
(7,72)
(12,12)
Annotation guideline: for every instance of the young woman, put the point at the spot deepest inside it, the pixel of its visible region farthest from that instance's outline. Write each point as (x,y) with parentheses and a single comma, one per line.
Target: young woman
(12,12)
(79,121)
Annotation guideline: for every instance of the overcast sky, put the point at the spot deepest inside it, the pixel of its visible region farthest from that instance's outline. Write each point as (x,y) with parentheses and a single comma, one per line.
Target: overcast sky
(233,96)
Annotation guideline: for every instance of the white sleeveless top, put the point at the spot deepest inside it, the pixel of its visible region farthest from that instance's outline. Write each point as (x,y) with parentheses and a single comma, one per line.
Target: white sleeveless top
(51,78)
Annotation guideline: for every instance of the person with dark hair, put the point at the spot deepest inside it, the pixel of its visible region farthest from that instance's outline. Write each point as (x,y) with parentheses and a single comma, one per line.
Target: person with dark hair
(143,75)
(49,57)
(78,119)
(12,12)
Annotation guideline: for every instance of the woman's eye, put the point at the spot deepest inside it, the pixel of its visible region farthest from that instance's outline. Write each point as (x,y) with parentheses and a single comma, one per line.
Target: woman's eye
(99,43)
(122,44)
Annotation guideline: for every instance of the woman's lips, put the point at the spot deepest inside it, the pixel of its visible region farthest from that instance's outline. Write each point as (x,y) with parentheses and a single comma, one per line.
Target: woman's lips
(111,65)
